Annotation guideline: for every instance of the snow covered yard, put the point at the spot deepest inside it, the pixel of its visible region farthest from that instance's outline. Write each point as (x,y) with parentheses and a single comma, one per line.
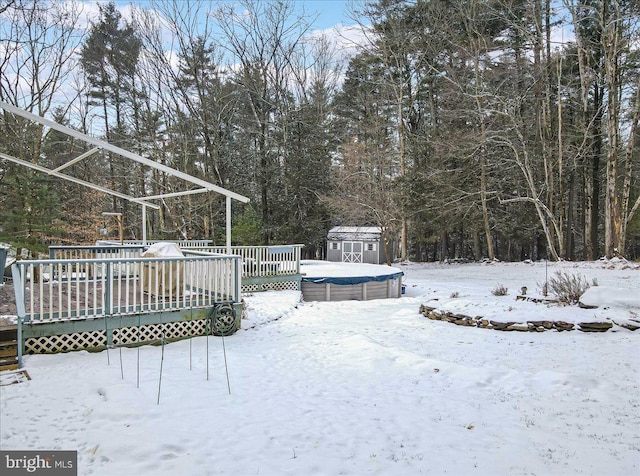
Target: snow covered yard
(355,388)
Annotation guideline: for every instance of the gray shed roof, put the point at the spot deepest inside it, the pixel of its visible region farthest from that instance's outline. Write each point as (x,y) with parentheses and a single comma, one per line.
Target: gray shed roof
(355,233)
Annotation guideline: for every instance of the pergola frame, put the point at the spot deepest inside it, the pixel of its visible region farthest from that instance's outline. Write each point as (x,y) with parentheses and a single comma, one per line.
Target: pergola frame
(104,145)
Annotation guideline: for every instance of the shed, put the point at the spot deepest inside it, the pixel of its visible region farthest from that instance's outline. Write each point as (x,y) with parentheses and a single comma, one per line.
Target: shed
(356,244)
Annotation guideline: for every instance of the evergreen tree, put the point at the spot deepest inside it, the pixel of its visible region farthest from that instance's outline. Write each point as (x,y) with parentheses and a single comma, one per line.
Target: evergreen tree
(109,59)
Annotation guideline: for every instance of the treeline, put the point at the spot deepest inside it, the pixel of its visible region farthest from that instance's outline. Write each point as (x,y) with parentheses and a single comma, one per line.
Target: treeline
(467,129)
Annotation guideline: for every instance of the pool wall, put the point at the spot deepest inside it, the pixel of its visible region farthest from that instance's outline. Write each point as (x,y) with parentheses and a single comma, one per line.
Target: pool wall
(327,291)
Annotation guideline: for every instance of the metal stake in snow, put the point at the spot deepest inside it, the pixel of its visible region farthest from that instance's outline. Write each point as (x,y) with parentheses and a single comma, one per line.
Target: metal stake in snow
(190,336)
(138,363)
(210,330)
(226,368)
(219,321)
(161,362)
(106,339)
(120,348)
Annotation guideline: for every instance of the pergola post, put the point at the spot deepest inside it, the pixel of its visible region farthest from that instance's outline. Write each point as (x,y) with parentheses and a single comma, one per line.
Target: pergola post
(144,225)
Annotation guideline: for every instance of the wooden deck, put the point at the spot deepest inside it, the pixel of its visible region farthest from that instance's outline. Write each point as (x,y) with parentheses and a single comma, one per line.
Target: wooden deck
(96,297)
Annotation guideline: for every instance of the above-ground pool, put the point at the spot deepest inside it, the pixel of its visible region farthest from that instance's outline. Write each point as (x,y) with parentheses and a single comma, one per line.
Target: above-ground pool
(329,281)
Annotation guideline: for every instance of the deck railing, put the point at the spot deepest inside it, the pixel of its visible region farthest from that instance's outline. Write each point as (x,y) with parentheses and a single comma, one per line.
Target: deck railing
(78,254)
(263,261)
(95,252)
(257,261)
(181,243)
(65,289)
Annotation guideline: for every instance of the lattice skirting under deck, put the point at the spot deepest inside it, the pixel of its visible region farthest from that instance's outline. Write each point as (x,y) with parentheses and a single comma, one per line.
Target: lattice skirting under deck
(168,331)
(274,286)
(122,336)
(65,342)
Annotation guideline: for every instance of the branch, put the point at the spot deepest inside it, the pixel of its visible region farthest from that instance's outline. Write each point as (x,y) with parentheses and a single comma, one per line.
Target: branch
(633,210)
(4,8)
(535,201)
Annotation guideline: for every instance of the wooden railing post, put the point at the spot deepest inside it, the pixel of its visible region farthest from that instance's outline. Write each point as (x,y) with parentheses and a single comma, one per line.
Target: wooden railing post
(20,343)
(238,280)
(18,273)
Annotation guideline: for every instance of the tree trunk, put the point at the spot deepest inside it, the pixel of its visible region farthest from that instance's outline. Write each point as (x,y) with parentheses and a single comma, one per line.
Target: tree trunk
(626,185)
(560,207)
(444,245)
(483,166)
(569,243)
(401,158)
(477,249)
(483,199)
(612,214)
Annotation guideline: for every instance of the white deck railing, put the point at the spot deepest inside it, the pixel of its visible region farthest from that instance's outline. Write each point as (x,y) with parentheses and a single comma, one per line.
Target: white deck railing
(263,261)
(95,252)
(77,255)
(180,243)
(257,261)
(65,289)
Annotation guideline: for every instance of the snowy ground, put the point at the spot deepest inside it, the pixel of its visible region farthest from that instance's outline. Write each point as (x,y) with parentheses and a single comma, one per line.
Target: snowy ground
(355,388)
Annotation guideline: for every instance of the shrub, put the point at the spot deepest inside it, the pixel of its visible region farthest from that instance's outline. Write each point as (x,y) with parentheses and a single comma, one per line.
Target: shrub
(568,287)
(500,290)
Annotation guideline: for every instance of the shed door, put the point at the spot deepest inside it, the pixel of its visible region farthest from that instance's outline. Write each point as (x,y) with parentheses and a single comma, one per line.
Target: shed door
(352,251)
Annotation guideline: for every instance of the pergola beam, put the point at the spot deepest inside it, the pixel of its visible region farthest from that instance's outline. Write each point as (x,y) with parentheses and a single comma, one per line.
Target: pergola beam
(175,194)
(101,144)
(78,181)
(122,152)
(77,159)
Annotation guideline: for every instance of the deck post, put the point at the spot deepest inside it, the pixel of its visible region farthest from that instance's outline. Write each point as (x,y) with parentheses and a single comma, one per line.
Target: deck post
(108,334)
(107,280)
(238,283)
(20,344)
(18,289)
(228,224)
(297,251)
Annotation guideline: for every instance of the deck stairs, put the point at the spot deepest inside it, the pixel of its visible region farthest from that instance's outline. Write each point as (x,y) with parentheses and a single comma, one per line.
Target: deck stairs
(8,347)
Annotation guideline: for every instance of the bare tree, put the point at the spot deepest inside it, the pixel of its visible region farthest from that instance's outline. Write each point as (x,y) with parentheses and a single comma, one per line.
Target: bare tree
(363,193)
(5,5)
(628,214)
(620,31)
(39,43)
(39,39)
(263,41)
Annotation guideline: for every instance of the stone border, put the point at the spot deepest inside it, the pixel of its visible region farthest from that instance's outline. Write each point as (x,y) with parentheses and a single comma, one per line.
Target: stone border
(528,326)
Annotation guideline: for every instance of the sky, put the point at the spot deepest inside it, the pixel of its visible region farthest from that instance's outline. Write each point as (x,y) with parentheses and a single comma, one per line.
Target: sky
(330,12)
(332,18)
